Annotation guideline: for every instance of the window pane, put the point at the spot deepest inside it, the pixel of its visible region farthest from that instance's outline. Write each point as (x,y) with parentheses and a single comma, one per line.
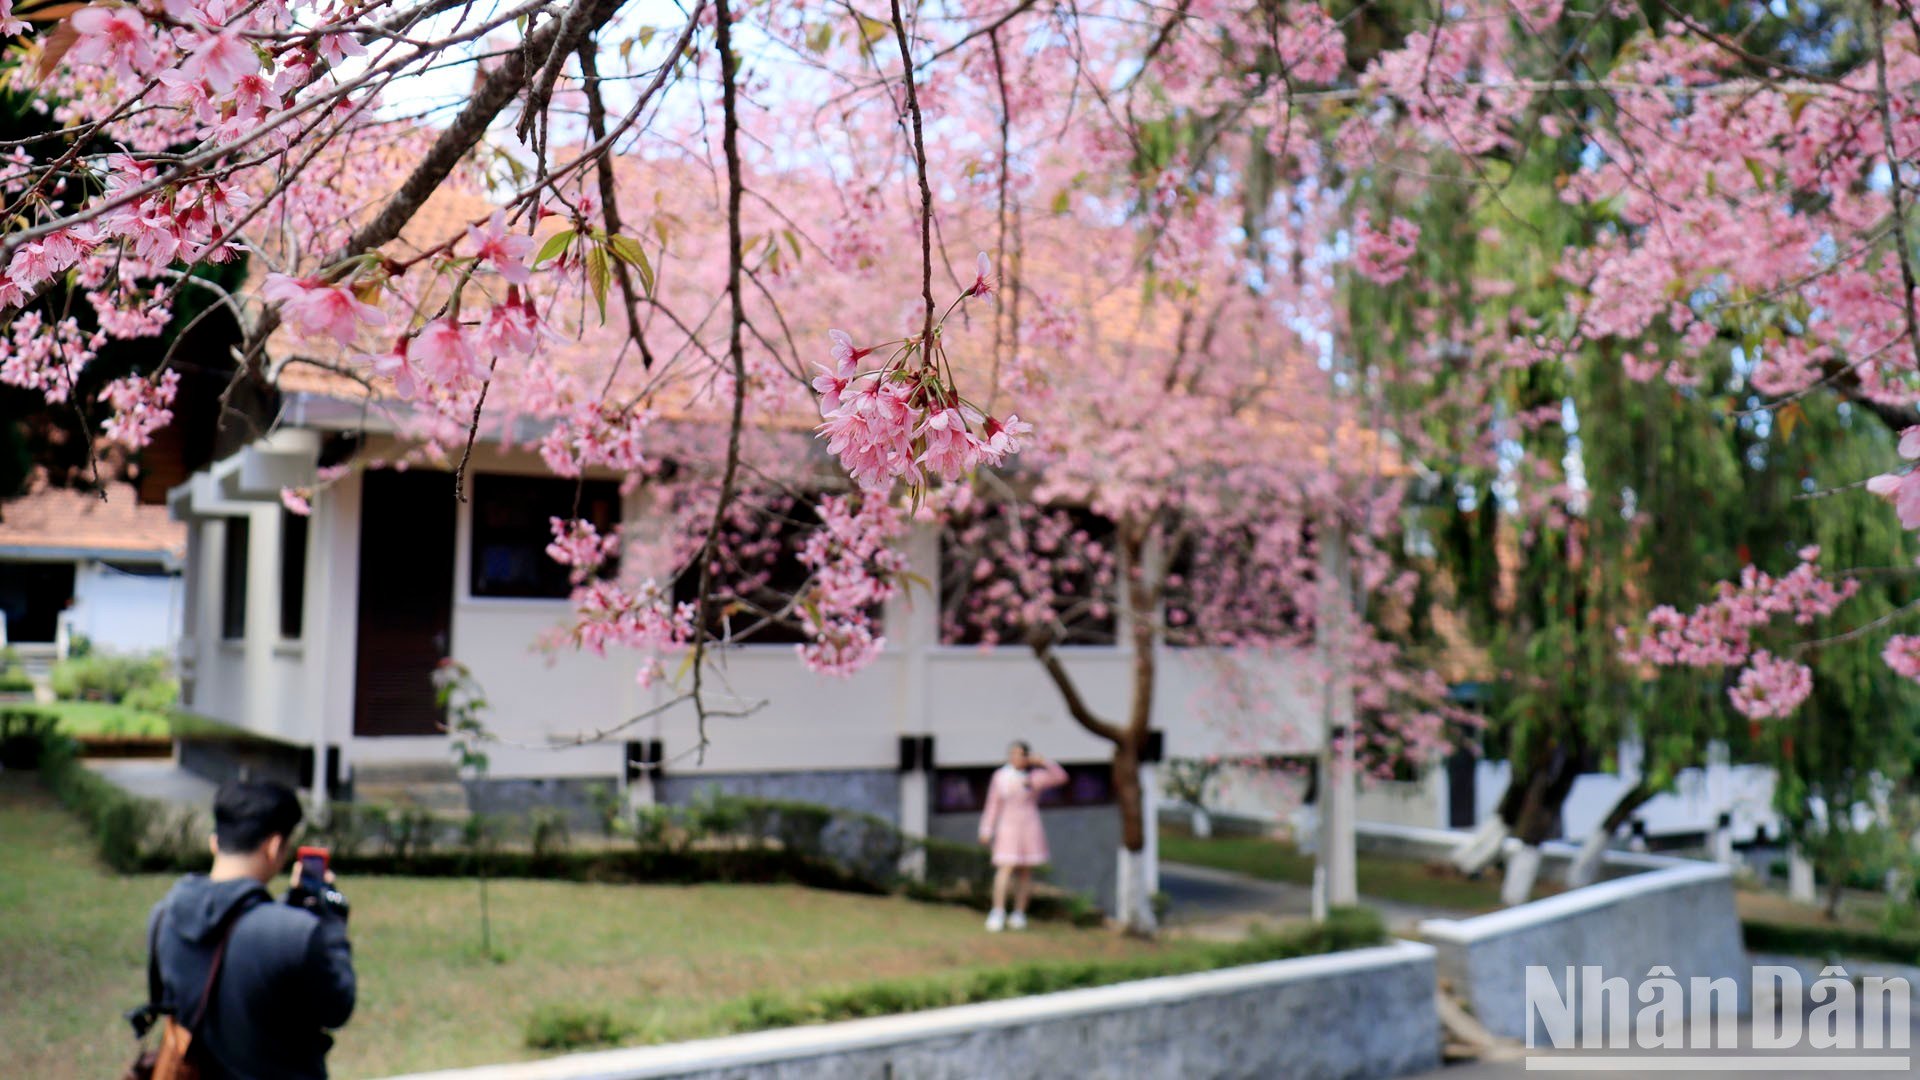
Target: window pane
(233,581)
(293,573)
(995,565)
(512,528)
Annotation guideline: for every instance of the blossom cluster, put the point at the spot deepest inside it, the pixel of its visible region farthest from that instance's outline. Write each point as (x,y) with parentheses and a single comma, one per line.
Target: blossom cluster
(1720,633)
(141,407)
(856,565)
(903,420)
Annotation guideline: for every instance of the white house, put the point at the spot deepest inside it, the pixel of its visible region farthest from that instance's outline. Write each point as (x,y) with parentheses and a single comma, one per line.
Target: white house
(322,632)
(98,564)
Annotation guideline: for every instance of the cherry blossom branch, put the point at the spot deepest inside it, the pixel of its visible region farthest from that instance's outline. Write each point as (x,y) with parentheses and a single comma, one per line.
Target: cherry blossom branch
(920,167)
(736,354)
(1896,189)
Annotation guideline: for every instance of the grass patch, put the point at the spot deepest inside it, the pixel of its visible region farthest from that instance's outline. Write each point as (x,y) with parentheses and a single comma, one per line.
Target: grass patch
(1346,928)
(1870,927)
(1380,878)
(572,1027)
(663,962)
(105,719)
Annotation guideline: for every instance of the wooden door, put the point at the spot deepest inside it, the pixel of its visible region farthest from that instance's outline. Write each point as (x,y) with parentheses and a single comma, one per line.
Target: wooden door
(406,601)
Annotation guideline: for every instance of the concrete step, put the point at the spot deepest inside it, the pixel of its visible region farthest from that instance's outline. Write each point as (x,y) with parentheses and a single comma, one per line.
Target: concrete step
(431,786)
(446,800)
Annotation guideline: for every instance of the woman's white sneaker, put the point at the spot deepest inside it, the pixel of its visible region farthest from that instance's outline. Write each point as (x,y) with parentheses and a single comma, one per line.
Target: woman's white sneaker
(996,921)
(1017,921)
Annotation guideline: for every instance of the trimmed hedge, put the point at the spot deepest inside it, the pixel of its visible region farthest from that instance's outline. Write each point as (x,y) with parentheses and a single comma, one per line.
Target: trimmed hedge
(1826,940)
(1345,928)
(730,839)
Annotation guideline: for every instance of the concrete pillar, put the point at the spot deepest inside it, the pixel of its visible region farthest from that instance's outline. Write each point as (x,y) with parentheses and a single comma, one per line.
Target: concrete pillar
(913,627)
(916,796)
(1337,874)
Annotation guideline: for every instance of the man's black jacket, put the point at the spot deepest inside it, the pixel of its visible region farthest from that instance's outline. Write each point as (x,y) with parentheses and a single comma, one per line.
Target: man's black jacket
(286,979)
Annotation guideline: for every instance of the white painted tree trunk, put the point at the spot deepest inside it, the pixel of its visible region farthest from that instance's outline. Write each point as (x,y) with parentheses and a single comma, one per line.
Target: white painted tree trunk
(1133,898)
(1482,848)
(1523,869)
(1202,822)
(1800,885)
(1585,867)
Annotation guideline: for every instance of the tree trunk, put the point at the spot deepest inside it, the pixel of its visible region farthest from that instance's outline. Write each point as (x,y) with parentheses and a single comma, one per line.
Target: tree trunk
(1202,822)
(1480,849)
(1133,900)
(1523,869)
(1538,819)
(1133,905)
(1585,868)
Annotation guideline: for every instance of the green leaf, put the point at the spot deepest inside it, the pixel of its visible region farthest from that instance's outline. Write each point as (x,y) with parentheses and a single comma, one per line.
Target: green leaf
(1759,173)
(599,274)
(629,251)
(555,244)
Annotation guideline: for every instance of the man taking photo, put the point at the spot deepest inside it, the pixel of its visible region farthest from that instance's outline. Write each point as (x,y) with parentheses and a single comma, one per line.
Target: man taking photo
(286,971)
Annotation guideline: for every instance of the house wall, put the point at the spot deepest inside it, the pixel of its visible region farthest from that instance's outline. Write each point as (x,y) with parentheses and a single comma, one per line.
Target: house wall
(259,682)
(123,612)
(973,701)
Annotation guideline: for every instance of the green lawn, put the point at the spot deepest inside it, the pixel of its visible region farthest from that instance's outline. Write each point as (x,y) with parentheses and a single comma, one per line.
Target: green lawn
(104,718)
(1401,880)
(665,960)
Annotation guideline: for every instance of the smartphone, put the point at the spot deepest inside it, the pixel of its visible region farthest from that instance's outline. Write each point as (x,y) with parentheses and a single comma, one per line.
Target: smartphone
(313,867)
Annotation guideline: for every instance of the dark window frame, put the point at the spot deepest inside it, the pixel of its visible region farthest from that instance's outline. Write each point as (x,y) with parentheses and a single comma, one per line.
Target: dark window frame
(293,574)
(963,789)
(526,571)
(234,555)
(1085,631)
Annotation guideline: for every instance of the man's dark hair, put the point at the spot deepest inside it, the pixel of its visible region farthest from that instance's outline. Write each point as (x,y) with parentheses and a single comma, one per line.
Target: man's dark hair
(246,812)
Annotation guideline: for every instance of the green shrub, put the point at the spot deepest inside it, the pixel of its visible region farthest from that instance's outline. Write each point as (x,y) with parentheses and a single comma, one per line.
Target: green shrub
(569,1027)
(1818,940)
(15,681)
(131,834)
(24,733)
(547,832)
(719,839)
(108,677)
(1345,928)
(158,696)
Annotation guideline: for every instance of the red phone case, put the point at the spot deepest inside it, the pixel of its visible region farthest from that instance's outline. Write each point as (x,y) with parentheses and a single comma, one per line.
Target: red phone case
(304,853)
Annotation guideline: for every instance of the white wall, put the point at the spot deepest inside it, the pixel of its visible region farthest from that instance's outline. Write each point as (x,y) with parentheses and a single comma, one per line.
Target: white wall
(973,701)
(125,613)
(259,682)
(1694,806)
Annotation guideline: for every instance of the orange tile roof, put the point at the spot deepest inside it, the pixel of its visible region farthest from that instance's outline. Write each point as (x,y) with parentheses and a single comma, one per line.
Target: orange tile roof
(64,520)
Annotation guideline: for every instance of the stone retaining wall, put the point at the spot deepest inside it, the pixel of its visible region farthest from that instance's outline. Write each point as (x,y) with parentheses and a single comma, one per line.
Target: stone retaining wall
(1365,1013)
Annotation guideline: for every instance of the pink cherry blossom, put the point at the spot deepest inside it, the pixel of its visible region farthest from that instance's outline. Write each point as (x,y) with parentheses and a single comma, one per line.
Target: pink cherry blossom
(1771,688)
(222,60)
(505,251)
(443,351)
(983,282)
(111,37)
(1902,654)
(315,307)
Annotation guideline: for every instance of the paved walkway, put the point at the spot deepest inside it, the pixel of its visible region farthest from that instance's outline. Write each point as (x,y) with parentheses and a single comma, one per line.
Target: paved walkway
(1220,903)
(161,780)
(1512,1063)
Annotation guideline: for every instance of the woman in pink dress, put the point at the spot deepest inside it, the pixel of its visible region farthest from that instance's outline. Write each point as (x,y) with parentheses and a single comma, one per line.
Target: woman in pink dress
(1011,823)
